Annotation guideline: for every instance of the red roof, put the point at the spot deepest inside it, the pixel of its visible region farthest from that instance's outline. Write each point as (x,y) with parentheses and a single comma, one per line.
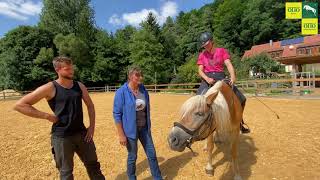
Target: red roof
(287,52)
(312,39)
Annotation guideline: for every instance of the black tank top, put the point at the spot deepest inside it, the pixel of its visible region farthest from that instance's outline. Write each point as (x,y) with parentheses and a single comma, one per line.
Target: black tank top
(67,106)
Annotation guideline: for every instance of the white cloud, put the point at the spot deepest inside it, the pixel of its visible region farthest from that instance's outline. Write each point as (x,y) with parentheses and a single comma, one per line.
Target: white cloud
(136,17)
(115,19)
(169,8)
(20,9)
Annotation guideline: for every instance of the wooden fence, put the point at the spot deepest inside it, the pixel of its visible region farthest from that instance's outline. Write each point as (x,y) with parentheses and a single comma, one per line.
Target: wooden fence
(258,87)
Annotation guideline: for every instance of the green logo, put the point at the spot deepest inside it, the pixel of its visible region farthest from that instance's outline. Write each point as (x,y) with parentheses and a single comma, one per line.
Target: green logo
(309,10)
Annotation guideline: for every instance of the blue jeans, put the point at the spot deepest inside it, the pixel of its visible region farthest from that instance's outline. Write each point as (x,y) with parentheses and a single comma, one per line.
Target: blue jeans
(132,146)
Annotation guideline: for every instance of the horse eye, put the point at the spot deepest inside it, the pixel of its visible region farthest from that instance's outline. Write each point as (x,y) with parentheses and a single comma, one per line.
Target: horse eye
(199,113)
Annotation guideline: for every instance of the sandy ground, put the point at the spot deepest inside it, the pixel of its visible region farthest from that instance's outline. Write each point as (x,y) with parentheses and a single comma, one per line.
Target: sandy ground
(285,148)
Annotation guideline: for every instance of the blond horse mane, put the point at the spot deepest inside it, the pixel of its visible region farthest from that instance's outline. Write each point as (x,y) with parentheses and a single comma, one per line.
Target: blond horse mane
(222,109)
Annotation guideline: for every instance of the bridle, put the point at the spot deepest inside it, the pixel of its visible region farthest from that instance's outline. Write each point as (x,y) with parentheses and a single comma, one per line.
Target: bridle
(199,133)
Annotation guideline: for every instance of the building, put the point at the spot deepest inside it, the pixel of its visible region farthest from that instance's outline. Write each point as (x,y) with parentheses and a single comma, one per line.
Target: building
(298,55)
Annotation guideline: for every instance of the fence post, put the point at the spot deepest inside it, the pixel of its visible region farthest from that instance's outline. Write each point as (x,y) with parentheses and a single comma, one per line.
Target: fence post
(256,87)
(4,95)
(105,88)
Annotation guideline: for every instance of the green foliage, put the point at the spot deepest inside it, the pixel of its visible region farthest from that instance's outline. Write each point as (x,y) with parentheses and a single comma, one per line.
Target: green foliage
(166,53)
(72,46)
(67,17)
(263,64)
(18,50)
(105,68)
(122,39)
(188,73)
(42,70)
(147,53)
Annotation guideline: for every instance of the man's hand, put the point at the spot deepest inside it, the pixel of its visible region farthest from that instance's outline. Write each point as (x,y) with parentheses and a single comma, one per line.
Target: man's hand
(210,80)
(232,81)
(90,133)
(52,118)
(123,140)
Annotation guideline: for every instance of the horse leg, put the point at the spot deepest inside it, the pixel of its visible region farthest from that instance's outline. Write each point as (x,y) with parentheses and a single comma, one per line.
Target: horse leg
(210,145)
(234,153)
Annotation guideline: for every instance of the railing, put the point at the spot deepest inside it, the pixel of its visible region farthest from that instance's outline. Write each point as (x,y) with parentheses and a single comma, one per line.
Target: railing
(269,86)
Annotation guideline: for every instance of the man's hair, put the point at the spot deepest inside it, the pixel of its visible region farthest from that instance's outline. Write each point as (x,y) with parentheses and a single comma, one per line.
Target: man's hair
(57,61)
(134,69)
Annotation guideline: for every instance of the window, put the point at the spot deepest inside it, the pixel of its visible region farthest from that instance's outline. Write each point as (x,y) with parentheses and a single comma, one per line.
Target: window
(308,51)
(301,51)
(275,54)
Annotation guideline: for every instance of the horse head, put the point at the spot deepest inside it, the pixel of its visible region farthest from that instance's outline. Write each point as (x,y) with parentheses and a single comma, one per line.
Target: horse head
(197,120)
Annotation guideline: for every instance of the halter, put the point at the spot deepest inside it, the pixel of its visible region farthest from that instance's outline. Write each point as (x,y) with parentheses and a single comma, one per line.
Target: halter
(197,133)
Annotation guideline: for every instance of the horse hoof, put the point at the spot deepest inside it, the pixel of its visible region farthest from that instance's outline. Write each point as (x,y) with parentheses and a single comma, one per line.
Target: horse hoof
(210,172)
(237,177)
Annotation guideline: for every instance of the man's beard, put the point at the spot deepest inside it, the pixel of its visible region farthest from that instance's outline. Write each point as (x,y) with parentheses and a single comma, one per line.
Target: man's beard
(67,77)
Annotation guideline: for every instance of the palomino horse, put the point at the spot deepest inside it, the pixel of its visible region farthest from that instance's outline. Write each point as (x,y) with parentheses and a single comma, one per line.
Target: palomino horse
(218,110)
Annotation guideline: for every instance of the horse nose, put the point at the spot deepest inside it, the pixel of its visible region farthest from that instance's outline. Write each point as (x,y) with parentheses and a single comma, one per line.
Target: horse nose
(174,141)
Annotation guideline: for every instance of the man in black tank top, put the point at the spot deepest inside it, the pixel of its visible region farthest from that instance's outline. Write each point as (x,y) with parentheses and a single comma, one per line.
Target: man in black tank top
(68,133)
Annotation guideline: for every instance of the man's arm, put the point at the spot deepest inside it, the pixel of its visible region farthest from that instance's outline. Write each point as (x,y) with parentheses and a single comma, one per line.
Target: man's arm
(230,68)
(204,76)
(25,104)
(91,111)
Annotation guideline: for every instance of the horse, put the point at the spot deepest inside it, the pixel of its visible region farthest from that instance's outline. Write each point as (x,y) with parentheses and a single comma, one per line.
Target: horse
(309,8)
(218,110)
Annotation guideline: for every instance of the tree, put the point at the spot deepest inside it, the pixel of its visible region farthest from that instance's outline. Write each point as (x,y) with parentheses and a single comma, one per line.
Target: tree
(78,51)
(43,70)
(122,40)
(170,44)
(190,41)
(105,68)
(226,27)
(151,25)
(256,23)
(67,17)
(188,72)
(263,63)
(147,52)
(18,50)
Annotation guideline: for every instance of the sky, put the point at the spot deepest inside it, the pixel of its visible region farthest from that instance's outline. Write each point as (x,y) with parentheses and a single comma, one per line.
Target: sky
(109,14)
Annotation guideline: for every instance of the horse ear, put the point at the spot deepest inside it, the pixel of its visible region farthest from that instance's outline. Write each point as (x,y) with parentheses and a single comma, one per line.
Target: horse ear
(213,92)
(211,97)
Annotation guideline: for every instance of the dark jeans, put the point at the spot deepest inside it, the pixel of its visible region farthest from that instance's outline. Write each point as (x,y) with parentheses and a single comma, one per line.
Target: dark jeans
(204,86)
(146,140)
(64,149)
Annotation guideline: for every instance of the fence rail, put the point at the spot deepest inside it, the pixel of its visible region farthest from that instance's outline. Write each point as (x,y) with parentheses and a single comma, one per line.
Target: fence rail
(287,86)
